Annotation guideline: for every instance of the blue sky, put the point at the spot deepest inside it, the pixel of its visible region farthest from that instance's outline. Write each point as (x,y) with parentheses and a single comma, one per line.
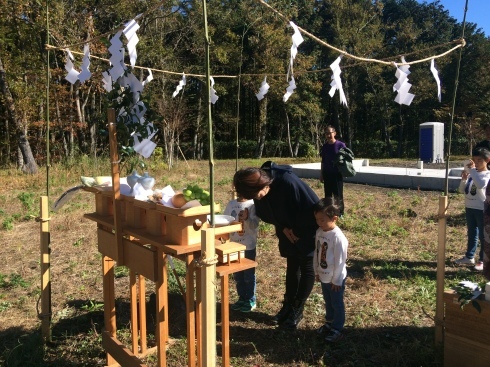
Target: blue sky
(478,11)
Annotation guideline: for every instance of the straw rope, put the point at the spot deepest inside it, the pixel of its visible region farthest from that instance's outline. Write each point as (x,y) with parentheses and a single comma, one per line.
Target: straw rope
(386,61)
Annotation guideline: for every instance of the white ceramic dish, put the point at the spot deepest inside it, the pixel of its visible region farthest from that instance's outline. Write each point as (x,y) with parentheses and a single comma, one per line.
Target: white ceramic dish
(221,220)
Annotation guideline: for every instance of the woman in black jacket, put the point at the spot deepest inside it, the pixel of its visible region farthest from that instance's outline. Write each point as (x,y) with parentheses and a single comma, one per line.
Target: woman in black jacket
(281,198)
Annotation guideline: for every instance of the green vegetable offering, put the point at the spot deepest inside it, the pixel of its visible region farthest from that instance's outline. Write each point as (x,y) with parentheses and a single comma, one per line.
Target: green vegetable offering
(194,192)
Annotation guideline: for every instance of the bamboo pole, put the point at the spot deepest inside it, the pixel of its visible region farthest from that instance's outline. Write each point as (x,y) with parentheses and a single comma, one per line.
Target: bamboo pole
(441,258)
(45,271)
(208,269)
(208,293)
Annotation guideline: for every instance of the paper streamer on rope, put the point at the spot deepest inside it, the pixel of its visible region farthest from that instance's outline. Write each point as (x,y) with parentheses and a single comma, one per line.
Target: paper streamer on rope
(289,90)
(264,88)
(85,74)
(117,56)
(72,75)
(212,92)
(336,83)
(130,33)
(149,78)
(297,40)
(107,81)
(146,146)
(402,86)
(435,73)
(179,87)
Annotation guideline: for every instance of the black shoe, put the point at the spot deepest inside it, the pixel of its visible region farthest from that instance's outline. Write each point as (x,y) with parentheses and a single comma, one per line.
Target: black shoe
(283,313)
(294,319)
(296,315)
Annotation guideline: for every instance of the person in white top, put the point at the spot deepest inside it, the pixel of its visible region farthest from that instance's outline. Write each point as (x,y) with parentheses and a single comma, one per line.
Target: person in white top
(329,262)
(473,184)
(243,211)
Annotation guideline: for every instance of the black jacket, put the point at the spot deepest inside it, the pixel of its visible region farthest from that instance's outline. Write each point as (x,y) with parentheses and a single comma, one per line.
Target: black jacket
(289,204)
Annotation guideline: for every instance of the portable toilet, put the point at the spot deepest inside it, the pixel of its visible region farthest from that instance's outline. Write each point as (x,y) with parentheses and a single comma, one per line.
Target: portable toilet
(431,142)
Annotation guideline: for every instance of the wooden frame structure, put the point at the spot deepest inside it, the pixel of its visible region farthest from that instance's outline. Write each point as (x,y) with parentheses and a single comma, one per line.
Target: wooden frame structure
(141,235)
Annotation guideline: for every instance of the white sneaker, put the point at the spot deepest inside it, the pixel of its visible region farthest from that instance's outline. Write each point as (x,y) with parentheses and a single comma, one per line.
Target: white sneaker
(465,261)
(479,266)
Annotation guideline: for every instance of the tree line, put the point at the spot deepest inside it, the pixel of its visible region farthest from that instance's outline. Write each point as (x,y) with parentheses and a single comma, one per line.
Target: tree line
(248,42)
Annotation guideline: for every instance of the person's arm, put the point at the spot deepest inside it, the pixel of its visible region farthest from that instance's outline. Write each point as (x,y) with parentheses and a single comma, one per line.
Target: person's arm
(340,258)
(463,181)
(315,256)
(480,180)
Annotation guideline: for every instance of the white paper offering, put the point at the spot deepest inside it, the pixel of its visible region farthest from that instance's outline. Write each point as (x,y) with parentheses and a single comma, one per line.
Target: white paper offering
(264,88)
(435,73)
(402,86)
(72,75)
(336,83)
(179,87)
(85,74)
(130,33)
(117,56)
(289,90)
(212,92)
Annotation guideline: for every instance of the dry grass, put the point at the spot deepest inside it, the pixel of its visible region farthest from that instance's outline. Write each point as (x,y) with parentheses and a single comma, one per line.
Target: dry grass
(390,293)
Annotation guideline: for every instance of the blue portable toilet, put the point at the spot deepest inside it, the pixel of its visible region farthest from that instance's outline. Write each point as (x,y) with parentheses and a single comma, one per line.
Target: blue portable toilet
(431,142)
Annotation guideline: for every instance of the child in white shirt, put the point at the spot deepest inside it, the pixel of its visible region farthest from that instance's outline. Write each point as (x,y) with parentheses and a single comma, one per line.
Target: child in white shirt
(329,262)
(474,182)
(244,211)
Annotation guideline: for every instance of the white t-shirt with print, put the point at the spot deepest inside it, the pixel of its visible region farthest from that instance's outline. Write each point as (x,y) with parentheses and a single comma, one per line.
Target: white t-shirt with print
(244,212)
(474,188)
(329,259)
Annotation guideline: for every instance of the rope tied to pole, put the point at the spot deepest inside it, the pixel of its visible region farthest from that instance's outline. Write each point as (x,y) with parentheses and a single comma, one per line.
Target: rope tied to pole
(39,219)
(203,261)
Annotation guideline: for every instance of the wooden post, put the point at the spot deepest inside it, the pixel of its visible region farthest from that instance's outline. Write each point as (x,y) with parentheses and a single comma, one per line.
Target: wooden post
(441,258)
(114,157)
(225,321)
(190,311)
(109,301)
(208,290)
(45,271)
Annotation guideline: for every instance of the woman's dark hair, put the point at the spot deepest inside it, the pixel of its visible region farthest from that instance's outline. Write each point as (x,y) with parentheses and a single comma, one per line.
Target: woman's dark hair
(481,152)
(328,207)
(249,181)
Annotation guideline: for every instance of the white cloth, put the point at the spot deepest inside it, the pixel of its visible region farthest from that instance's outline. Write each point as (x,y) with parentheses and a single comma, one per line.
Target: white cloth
(329,259)
(475,198)
(244,212)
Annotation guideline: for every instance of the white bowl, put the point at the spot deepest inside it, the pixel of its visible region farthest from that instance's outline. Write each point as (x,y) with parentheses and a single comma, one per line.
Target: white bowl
(221,220)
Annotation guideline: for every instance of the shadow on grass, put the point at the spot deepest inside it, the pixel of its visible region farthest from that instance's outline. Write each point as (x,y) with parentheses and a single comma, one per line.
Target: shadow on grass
(402,269)
(381,346)
(76,340)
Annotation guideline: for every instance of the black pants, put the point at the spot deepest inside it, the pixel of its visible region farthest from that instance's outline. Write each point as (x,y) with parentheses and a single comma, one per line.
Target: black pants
(300,277)
(333,185)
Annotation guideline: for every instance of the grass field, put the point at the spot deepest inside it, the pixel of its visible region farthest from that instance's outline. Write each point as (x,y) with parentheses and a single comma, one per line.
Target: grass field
(390,296)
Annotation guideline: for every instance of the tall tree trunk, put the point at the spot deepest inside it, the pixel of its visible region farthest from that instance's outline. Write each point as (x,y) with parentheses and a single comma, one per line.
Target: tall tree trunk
(399,150)
(196,152)
(262,128)
(93,130)
(29,164)
(288,133)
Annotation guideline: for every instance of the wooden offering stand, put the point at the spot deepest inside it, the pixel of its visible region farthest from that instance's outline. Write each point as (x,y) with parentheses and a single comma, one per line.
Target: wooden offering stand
(466,334)
(141,235)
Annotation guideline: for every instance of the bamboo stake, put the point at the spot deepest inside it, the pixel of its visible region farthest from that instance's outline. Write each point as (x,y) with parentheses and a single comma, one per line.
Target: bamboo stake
(45,272)
(208,293)
(208,271)
(441,258)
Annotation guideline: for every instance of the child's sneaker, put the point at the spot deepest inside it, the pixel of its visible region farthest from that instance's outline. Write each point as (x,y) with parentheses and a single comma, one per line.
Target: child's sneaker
(237,305)
(324,329)
(479,266)
(334,336)
(465,261)
(248,306)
